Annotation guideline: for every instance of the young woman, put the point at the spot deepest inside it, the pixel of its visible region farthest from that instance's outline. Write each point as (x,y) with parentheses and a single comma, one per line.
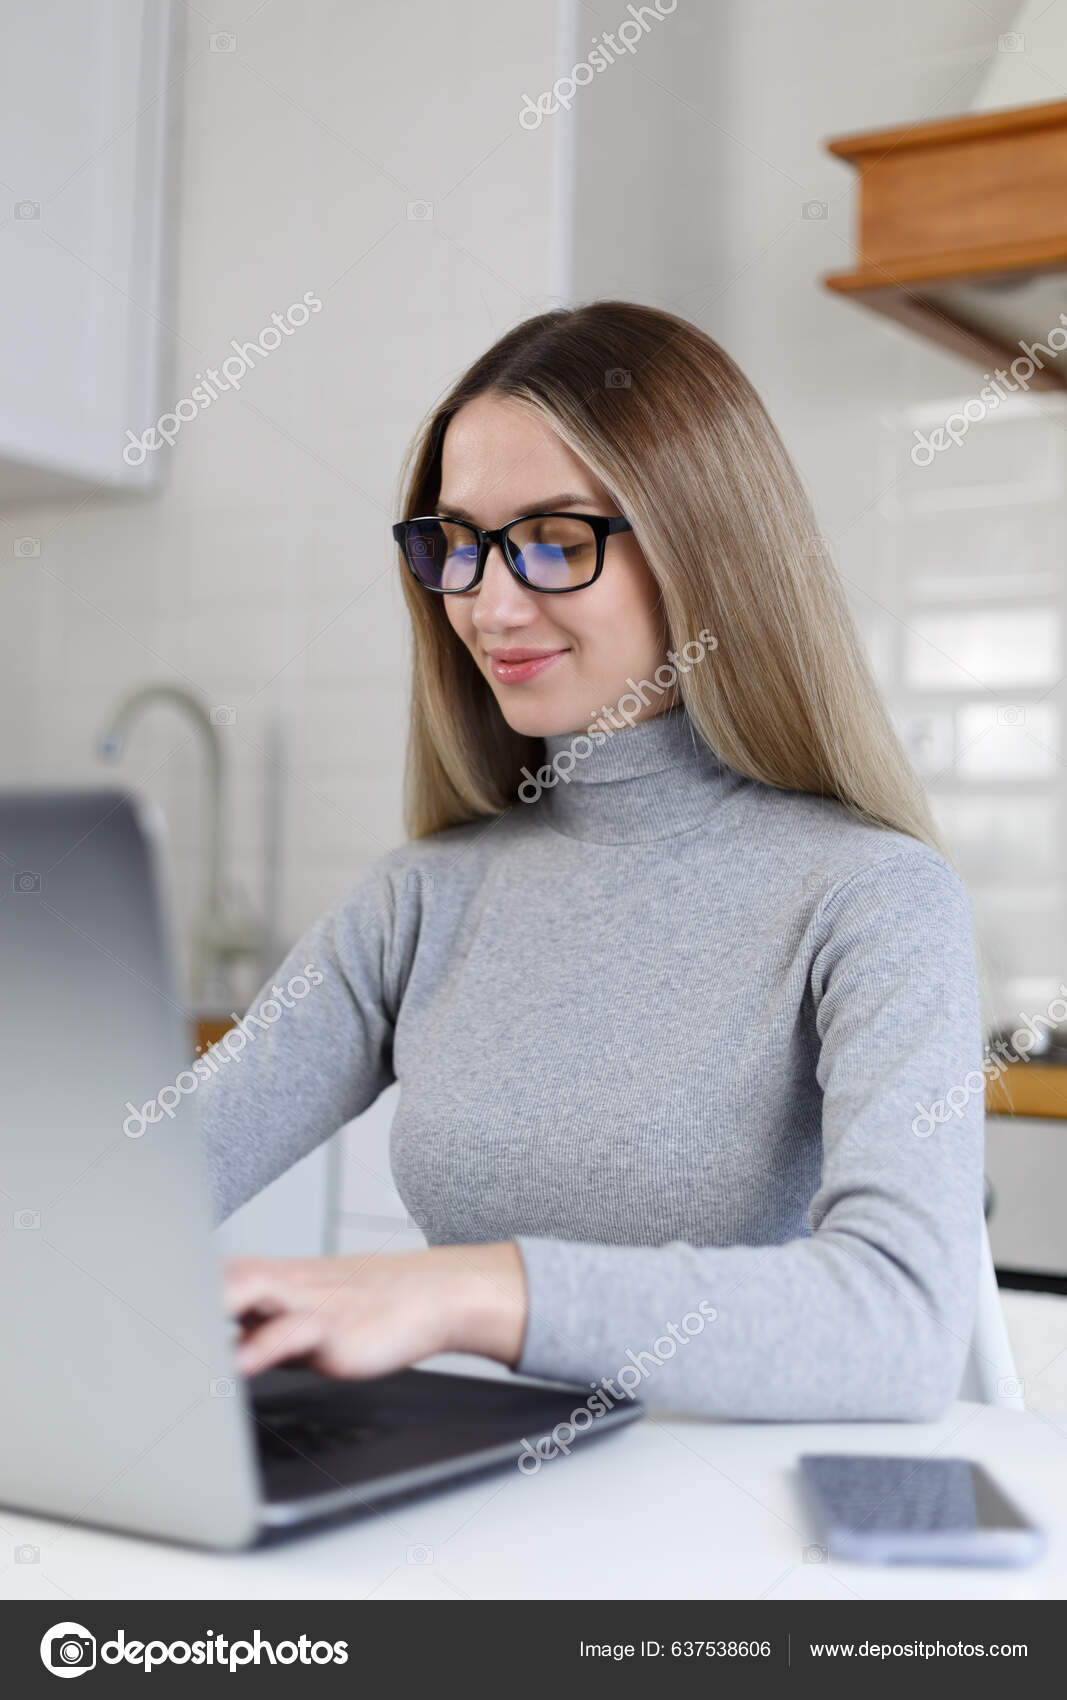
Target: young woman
(673,973)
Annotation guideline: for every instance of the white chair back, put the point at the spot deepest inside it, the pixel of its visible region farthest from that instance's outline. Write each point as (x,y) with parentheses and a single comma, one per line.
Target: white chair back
(989,1375)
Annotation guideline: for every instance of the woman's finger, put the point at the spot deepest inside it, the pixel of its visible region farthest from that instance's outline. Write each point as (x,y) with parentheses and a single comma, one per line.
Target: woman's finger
(260,1289)
(292,1335)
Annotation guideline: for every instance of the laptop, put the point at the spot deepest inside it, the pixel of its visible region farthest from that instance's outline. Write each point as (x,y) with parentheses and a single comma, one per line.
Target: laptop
(122,1405)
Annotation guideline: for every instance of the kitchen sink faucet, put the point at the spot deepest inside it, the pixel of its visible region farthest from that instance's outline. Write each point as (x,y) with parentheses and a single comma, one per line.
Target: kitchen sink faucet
(218,941)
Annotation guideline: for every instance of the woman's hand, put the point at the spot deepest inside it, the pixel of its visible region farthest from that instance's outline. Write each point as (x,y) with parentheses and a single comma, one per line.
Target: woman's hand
(368,1315)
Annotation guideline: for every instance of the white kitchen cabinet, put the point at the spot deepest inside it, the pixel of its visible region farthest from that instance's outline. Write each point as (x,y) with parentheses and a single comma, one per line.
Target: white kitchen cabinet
(84,213)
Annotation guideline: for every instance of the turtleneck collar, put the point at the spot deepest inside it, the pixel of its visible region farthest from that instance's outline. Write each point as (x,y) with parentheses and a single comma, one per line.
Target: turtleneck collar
(654,779)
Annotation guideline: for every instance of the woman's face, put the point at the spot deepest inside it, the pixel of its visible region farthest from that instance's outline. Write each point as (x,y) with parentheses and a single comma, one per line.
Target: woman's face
(498,463)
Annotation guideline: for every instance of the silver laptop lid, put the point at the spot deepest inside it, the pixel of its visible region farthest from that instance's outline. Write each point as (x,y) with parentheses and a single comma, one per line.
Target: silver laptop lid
(121,1405)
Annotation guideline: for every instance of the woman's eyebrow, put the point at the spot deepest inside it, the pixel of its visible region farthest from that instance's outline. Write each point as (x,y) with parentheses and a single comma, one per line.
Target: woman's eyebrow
(450,510)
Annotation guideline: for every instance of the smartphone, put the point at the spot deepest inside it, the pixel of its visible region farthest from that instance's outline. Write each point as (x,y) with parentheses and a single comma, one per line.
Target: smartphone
(883,1510)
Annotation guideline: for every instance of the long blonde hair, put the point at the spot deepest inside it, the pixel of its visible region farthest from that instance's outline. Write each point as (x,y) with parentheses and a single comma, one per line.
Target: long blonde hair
(676,433)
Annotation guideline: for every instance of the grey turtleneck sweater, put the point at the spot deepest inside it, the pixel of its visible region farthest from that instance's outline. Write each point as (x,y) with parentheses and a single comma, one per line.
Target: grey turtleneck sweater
(689,1040)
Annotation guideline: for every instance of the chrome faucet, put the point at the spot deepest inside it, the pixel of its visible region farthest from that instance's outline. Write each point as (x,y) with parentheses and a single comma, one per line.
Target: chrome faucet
(218,941)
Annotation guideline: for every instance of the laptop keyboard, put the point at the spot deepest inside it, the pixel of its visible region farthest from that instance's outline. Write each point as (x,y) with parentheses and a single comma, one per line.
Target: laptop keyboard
(299,1435)
(369,1439)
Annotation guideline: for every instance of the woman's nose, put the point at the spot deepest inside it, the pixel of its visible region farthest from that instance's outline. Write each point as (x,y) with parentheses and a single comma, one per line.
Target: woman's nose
(499,589)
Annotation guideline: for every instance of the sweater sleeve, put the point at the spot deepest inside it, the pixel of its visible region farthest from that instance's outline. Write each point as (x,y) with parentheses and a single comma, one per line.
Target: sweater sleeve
(871,1314)
(313,1050)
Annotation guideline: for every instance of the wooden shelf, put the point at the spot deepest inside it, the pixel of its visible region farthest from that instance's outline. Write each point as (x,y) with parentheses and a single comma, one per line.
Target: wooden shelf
(955,218)
(209,1030)
(1029,1089)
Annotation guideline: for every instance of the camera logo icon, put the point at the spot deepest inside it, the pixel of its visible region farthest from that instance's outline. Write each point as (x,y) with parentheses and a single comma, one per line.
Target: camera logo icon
(27,548)
(617,378)
(68,1649)
(223,715)
(25,880)
(27,209)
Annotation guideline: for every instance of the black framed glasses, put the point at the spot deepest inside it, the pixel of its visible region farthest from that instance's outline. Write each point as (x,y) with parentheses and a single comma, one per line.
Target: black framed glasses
(546,552)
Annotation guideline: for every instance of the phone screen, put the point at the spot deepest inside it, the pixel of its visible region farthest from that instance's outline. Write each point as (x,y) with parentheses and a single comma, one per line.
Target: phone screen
(868,1493)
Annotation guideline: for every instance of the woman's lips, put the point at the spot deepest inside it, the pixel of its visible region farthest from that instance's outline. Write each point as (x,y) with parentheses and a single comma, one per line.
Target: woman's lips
(517,672)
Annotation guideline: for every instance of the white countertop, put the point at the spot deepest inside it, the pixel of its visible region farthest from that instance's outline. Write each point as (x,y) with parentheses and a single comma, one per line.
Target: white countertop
(665,1508)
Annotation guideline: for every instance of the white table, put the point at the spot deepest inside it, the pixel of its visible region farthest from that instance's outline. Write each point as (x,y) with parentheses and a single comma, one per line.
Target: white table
(666,1508)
